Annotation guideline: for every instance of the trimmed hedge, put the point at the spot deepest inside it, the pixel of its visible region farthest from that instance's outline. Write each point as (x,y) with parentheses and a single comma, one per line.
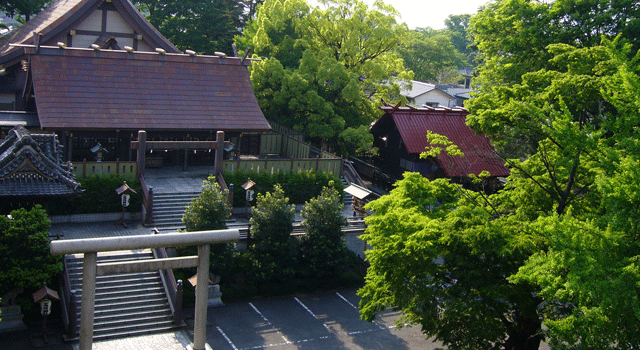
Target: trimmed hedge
(99,196)
(299,187)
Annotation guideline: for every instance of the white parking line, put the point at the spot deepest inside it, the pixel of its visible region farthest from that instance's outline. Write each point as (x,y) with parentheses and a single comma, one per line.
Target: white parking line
(259,313)
(355,307)
(286,341)
(226,338)
(305,307)
(312,314)
(347,301)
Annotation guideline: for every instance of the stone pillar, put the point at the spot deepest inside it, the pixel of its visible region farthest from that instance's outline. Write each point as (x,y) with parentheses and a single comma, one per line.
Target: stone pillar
(142,152)
(88,299)
(200,327)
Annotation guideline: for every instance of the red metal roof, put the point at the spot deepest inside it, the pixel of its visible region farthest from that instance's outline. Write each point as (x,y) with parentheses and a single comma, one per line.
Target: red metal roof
(479,154)
(87,89)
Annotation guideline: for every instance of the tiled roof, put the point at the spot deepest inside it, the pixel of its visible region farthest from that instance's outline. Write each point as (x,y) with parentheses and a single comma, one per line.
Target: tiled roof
(87,89)
(479,155)
(30,165)
(62,13)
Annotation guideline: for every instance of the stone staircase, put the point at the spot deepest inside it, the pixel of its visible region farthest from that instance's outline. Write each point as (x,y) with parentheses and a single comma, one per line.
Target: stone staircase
(126,304)
(347,199)
(168,208)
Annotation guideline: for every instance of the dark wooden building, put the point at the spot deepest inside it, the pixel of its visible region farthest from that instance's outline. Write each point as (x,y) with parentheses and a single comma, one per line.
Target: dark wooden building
(400,135)
(95,72)
(32,170)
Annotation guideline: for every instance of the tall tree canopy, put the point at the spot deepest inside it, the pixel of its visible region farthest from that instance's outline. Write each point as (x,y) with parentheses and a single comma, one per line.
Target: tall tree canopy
(324,70)
(559,244)
(22,9)
(204,26)
(458,31)
(431,55)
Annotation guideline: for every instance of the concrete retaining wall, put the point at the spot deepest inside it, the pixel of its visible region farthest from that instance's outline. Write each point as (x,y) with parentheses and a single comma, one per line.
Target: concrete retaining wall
(98,217)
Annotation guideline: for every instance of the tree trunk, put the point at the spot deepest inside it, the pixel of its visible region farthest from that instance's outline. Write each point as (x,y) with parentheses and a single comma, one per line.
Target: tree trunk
(525,335)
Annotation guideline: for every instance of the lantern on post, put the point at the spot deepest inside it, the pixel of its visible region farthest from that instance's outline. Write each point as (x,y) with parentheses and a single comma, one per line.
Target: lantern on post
(123,191)
(44,296)
(247,186)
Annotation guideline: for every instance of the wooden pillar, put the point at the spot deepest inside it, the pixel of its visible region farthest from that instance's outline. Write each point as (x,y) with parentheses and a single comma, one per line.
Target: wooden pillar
(217,165)
(142,151)
(186,157)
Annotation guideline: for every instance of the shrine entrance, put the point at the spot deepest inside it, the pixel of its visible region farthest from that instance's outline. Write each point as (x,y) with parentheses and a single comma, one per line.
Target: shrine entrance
(91,269)
(142,145)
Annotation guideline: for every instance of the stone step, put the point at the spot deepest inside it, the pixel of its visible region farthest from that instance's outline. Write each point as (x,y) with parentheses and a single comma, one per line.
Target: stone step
(118,332)
(125,304)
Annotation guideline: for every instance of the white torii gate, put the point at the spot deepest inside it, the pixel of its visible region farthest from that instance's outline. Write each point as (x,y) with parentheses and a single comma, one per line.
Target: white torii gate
(91,269)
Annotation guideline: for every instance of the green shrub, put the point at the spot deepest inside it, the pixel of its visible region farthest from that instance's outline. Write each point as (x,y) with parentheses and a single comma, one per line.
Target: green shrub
(299,187)
(25,261)
(99,196)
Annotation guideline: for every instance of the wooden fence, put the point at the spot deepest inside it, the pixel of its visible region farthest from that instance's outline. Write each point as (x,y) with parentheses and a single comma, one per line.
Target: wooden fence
(86,169)
(329,165)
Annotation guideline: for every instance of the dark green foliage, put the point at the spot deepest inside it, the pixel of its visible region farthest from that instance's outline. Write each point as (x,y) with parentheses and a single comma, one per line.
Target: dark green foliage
(99,196)
(25,9)
(431,56)
(323,253)
(203,26)
(25,261)
(271,226)
(298,187)
(209,210)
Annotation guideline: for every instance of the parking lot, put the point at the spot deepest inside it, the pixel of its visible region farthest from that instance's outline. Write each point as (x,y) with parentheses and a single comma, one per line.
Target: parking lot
(313,321)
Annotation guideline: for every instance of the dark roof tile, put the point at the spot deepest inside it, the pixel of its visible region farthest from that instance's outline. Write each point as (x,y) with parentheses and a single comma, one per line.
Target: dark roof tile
(162,92)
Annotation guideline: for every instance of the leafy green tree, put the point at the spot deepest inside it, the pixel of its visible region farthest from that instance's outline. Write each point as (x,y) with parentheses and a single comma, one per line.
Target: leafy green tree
(512,35)
(323,251)
(324,69)
(271,226)
(429,53)
(208,212)
(22,9)
(440,256)
(203,26)
(458,31)
(484,271)
(25,261)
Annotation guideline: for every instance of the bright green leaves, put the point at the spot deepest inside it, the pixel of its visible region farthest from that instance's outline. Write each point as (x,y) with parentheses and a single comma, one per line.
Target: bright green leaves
(443,255)
(589,283)
(335,63)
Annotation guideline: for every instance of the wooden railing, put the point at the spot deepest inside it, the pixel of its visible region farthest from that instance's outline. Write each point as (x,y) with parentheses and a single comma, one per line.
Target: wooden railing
(172,287)
(85,169)
(147,201)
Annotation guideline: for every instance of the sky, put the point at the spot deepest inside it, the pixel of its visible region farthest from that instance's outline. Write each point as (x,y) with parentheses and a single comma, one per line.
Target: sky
(430,13)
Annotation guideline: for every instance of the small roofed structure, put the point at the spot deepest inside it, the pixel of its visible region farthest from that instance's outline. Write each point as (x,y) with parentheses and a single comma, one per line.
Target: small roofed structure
(31,167)
(401,136)
(361,196)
